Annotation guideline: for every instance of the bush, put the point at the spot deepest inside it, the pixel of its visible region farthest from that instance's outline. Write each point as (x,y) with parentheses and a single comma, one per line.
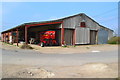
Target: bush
(26,46)
(114,40)
(118,79)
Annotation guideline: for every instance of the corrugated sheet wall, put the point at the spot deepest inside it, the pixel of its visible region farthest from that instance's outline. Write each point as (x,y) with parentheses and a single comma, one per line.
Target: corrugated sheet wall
(102,36)
(82,36)
(75,22)
(91,24)
(72,22)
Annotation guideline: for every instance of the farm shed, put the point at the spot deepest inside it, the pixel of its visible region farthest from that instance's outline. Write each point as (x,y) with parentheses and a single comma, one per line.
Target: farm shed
(72,30)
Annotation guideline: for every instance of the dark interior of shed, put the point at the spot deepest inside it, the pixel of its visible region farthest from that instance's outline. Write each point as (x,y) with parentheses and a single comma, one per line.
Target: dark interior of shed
(34,33)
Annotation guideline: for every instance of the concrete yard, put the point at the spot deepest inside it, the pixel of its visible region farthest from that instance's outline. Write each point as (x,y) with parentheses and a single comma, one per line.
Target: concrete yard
(96,61)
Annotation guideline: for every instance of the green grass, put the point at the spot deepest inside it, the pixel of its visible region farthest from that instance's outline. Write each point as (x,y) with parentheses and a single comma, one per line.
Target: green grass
(114,40)
(74,45)
(118,79)
(6,43)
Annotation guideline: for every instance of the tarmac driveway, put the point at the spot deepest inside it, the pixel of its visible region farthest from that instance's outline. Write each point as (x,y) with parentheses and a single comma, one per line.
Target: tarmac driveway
(31,57)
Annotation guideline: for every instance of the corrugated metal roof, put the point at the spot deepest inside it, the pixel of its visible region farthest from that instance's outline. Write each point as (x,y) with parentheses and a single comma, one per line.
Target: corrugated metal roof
(30,24)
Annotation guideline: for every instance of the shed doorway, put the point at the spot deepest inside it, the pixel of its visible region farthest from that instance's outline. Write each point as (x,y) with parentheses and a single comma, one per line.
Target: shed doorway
(93,35)
(69,36)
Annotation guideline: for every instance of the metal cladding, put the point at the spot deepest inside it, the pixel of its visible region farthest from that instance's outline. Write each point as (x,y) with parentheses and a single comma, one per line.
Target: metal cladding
(91,34)
(102,36)
(91,24)
(82,35)
(72,22)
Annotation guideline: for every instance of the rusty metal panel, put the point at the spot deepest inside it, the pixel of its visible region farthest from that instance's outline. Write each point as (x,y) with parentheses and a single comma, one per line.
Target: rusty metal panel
(102,36)
(82,36)
(68,37)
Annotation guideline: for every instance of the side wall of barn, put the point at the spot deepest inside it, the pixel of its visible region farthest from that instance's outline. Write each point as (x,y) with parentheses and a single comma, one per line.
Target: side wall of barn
(93,33)
(104,35)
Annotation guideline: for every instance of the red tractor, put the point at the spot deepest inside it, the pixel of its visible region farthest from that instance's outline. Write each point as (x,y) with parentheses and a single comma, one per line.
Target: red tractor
(47,38)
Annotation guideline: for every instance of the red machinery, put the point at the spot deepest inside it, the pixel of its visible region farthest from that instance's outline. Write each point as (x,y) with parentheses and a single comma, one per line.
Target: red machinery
(47,38)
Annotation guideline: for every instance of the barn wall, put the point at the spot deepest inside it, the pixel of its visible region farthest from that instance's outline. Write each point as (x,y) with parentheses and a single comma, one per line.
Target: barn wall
(72,22)
(82,36)
(91,24)
(102,36)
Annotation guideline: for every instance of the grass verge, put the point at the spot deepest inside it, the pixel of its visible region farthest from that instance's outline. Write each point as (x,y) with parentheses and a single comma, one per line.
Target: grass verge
(114,40)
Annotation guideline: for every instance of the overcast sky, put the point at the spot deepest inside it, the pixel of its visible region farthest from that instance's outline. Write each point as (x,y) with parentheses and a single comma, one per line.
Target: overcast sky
(16,13)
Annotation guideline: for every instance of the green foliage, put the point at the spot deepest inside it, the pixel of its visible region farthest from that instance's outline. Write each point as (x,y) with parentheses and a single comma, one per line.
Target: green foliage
(26,46)
(64,46)
(114,40)
(74,45)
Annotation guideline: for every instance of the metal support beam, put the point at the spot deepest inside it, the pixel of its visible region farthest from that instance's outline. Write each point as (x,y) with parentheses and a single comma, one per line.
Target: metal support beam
(44,24)
(96,37)
(26,36)
(62,34)
(74,37)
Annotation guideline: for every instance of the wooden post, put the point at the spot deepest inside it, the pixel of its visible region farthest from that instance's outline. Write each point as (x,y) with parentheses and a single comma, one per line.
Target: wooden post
(26,37)
(17,37)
